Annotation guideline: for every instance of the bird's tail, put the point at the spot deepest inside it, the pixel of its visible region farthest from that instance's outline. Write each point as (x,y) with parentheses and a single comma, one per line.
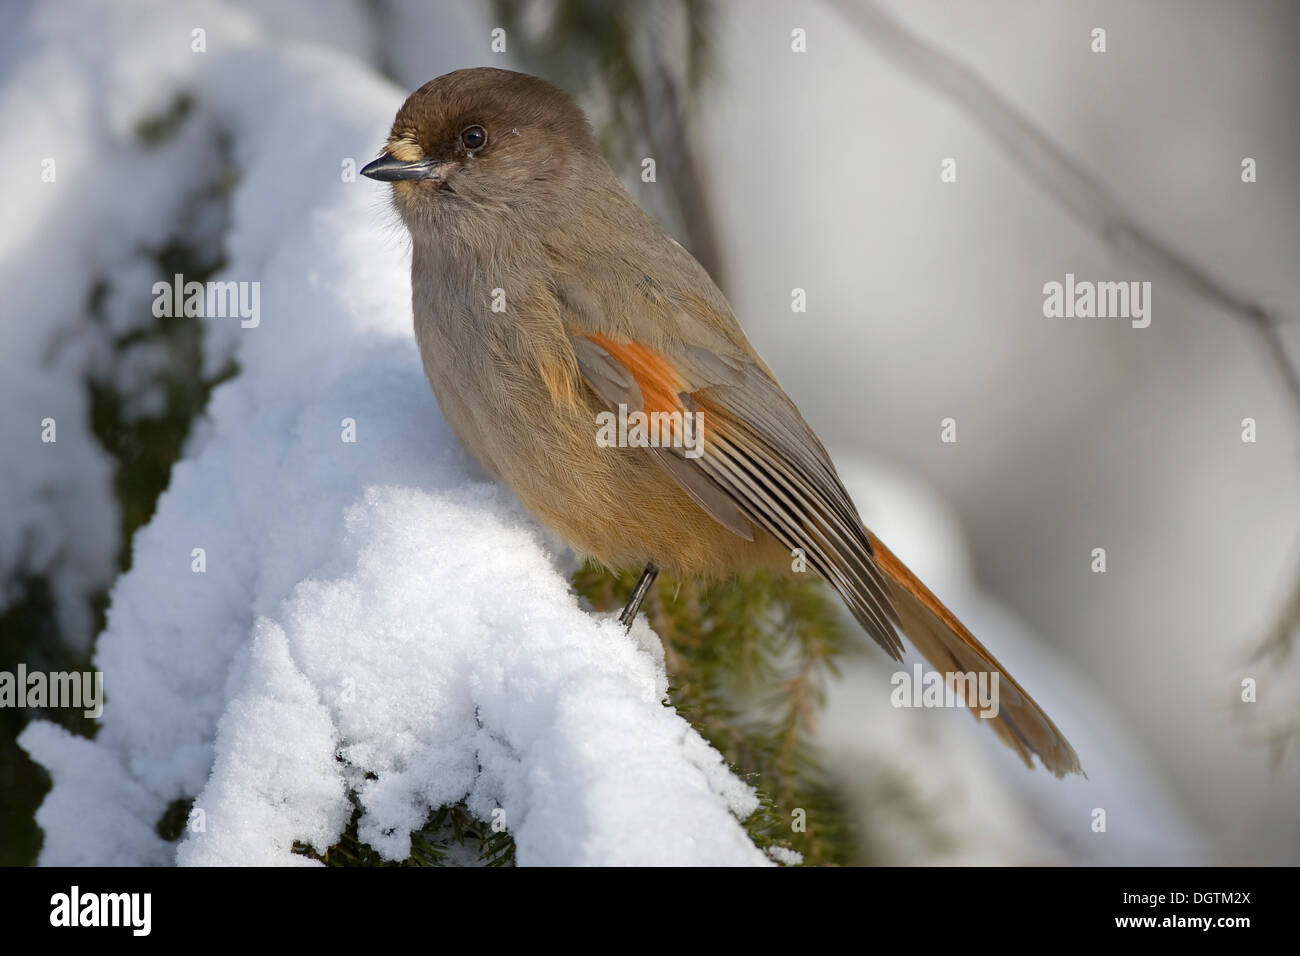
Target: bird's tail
(949,647)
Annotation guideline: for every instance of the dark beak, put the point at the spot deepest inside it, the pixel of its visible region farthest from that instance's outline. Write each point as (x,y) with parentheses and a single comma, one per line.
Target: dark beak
(387,169)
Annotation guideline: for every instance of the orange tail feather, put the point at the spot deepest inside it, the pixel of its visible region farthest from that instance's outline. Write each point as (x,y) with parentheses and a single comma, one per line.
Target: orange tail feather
(948,646)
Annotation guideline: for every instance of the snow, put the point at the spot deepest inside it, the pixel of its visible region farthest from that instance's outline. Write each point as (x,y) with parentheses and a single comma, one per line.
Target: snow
(507,695)
(363,615)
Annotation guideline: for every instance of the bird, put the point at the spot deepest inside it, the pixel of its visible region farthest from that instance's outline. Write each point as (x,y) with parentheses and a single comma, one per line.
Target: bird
(546,300)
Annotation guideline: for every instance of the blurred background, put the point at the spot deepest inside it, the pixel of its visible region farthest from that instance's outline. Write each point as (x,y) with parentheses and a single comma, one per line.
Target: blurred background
(801,146)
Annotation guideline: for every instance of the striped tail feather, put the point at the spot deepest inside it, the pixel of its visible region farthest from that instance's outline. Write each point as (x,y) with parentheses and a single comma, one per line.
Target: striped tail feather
(948,646)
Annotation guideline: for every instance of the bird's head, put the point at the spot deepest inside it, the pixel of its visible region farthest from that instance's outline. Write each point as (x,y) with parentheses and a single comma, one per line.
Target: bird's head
(482,138)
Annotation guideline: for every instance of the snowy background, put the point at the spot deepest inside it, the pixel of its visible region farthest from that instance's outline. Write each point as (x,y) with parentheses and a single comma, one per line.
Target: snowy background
(375,617)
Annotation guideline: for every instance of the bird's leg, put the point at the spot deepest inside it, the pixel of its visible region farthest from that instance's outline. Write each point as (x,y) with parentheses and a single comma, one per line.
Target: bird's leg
(638,595)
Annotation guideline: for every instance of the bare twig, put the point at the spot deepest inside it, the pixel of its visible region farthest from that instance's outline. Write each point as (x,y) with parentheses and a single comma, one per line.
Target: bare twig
(1278,724)
(1087,200)
(672,138)
(1280,638)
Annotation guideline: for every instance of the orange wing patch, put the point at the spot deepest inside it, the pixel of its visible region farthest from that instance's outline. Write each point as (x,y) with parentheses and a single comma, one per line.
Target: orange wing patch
(659,382)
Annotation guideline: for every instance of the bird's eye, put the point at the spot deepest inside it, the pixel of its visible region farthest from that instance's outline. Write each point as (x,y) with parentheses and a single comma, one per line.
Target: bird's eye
(473,137)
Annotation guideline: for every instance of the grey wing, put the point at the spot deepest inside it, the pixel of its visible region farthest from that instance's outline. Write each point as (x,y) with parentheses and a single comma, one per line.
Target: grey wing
(760,462)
